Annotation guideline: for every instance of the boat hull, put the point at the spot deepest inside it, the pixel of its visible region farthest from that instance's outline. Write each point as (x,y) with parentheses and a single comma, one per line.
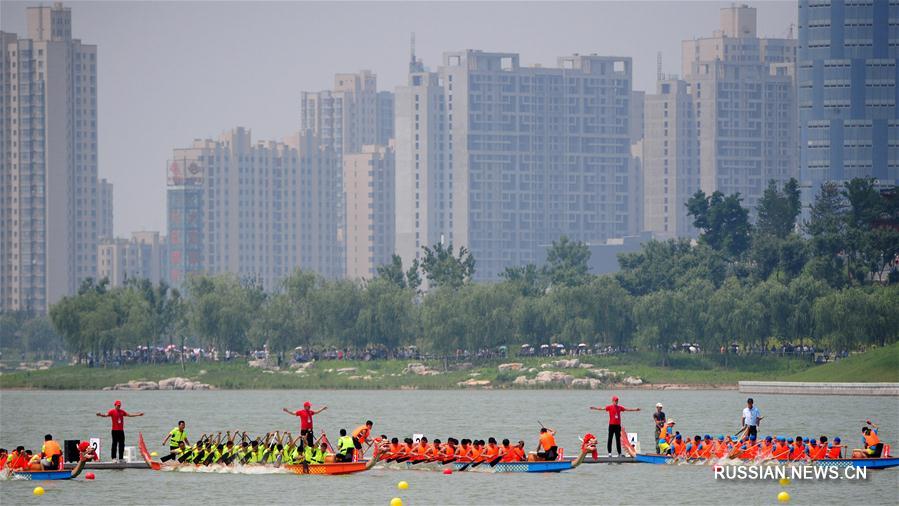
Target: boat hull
(880,463)
(42,475)
(550,466)
(330,468)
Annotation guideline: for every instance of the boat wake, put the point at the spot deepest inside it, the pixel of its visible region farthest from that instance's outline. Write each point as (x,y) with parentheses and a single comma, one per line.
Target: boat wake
(222,469)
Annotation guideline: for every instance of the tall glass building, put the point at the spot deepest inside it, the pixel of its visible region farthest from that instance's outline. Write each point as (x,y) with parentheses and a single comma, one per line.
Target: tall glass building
(848,69)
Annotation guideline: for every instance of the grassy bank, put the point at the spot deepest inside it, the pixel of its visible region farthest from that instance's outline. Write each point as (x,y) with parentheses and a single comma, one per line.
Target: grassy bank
(679,368)
(874,366)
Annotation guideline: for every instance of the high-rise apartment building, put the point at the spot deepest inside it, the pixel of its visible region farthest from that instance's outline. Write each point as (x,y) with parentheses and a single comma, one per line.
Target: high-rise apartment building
(48,177)
(141,257)
(256,210)
(351,115)
(743,90)
(104,210)
(501,158)
(670,159)
(369,179)
(847,81)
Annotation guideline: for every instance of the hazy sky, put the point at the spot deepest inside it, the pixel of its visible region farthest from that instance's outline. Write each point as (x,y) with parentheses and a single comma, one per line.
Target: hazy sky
(170,72)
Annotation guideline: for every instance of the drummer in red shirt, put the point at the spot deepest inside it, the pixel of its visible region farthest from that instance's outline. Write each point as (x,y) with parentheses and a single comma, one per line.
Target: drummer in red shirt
(305,415)
(614,411)
(118,428)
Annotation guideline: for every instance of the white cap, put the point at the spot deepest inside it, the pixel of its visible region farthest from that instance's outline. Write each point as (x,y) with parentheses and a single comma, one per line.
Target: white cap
(658,404)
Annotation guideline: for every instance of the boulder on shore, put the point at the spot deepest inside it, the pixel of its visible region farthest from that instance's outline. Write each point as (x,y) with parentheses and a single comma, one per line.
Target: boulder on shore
(544,377)
(474,383)
(420,369)
(512,366)
(175,383)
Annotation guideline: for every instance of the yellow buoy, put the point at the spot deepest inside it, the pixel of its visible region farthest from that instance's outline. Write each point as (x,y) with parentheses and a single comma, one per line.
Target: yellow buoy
(396,501)
(784,482)
(154,454)
(783,497)
(38,490)
(402,485)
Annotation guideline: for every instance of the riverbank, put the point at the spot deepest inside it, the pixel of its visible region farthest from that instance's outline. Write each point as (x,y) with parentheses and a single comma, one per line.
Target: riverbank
(633,370)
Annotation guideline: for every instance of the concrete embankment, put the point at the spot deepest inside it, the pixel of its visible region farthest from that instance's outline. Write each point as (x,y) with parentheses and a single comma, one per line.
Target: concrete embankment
(809,388)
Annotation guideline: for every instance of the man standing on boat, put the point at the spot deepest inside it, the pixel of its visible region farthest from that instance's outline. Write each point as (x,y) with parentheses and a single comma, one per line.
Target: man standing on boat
(659,418)
(750,419)
(118,428)
(305,416)
(614,411)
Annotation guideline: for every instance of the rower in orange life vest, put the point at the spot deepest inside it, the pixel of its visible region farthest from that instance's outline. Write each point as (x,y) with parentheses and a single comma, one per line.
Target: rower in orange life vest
(873,445)
(679,448)
(513,453)
(816,451)
(797,452)
(362,434)
(491,451)
(548,445)
(781,449)
(766,448)
(51,454)
(694,448)
(749,450)
(720,449)
(835,450)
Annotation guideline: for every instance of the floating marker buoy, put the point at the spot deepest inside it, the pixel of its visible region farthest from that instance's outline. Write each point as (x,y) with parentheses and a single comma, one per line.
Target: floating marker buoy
(89,476)
(402,485)
(447,471)
(154,454)
(396,501)
(38,491)
(783,497)
(784,482)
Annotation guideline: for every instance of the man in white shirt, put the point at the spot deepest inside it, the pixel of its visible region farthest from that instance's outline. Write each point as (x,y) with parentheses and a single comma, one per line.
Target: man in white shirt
(750,419)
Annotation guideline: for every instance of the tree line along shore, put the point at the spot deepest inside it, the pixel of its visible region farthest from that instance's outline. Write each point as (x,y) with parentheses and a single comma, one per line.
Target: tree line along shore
(827,282)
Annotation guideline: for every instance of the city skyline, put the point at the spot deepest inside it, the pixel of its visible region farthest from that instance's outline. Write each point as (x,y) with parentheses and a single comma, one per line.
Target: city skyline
(136,136)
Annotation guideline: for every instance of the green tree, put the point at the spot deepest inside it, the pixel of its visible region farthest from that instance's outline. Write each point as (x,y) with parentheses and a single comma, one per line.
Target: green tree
(442,267)
(778,209)
(393,271)
(527,280)
(827,230)
(724,222)
(567,262)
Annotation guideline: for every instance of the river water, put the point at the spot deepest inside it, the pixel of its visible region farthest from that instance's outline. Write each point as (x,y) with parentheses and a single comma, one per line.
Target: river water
(25,416)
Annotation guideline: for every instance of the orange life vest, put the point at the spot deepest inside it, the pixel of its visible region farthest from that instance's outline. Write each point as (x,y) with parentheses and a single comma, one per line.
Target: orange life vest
(51,448)
(798,452)
(750,452)
(706,450)
(694,451)
(514,454)
(680,448)
(361,433)
(833,453)
(491,452)
(871,439)
(547,440)
(781,451)
(817,452)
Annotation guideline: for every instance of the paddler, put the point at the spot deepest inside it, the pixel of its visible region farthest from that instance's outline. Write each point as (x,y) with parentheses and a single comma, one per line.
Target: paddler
(51,453)
(345,447)
(797,452)
(705,451)
(547,443)
(614,411)
(816,451)
(18,458)
(491,451)
(362,434)
(835,449)
(174,438)
(871,440)
(305,416)
(679,447)
(4,455)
